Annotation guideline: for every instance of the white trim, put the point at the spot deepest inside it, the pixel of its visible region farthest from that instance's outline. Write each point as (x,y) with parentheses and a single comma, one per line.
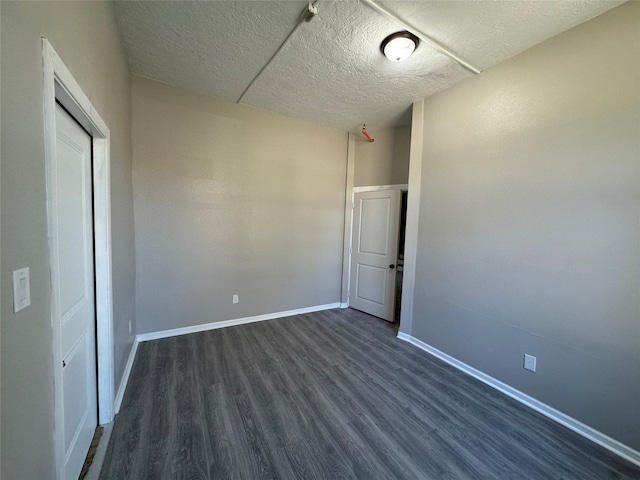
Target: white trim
(344,305)
(586,431)
(58,83)
(348,215)
(145,337)
(376,188)
(413,218)
(125,375)
(404,336)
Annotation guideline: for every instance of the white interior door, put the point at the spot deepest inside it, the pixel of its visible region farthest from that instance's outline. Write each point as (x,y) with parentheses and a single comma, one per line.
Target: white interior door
(73,285)
(374,249)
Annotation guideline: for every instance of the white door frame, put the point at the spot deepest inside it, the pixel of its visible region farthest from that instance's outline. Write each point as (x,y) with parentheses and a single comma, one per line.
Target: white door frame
(60,85)
(354,190)
(413,217)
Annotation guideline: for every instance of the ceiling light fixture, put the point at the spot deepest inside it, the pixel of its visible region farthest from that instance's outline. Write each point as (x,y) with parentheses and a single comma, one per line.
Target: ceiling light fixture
(399,46)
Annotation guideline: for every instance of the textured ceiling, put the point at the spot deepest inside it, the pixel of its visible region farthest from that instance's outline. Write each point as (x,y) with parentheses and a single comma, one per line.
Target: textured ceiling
(330,71)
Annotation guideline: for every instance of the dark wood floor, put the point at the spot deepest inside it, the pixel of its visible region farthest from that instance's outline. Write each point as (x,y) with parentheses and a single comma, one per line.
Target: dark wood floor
(329,395)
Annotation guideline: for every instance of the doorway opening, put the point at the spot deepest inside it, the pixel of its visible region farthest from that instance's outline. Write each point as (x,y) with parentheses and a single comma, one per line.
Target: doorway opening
(61,88)
(377,250)
(400,261)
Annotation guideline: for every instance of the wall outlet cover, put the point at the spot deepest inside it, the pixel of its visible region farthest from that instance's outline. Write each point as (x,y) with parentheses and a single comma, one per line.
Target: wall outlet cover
(236,299)
(529,362)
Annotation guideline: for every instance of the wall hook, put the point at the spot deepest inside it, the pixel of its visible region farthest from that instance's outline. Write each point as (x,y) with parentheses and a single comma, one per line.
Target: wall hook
(364,132)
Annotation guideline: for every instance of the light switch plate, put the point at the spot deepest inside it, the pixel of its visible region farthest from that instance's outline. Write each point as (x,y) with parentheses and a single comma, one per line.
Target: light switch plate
(21,289)
(530,362)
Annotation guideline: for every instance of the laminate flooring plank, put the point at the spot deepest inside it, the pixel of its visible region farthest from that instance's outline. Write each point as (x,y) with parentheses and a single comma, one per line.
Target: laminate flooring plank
(388,453)
(128,440)
(248,438)
(309,452)
(239,446)
(189,453)
(329,395)
(334,417)
(317,449)
(342,392)
(279,416)
(223,368)
(343,442)
(302,460)
(149,456)
(384,401)
(470,437)
(391,417)
(161,414)
(309,363)
(334,427)
(388,415)
(215,356)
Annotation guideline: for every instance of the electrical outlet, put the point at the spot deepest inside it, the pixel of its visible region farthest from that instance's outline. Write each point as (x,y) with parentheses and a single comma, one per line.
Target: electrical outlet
(129,326)
(236,299)
(530,362)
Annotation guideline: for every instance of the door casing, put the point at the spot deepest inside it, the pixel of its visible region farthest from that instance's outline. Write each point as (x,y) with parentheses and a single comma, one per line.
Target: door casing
(59,85)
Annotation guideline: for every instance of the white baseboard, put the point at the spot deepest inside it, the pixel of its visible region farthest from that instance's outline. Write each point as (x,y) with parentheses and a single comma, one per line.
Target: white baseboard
(145,337)
(404,336)
(125,375)
(344,305)
(586,431)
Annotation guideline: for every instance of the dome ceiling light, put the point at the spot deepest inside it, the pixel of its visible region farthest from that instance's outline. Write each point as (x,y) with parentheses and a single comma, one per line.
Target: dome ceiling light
(399,46)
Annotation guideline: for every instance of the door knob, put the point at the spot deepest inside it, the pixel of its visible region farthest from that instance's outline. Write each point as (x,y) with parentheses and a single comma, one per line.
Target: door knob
(392,266)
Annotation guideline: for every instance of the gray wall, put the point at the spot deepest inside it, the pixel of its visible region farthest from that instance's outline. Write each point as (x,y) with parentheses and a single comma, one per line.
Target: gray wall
(85,36)
(529,237)
(230,200)
(386,160)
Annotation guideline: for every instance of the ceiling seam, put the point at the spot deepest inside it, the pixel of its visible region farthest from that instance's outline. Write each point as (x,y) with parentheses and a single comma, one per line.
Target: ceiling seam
(301,21)
(422,36)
